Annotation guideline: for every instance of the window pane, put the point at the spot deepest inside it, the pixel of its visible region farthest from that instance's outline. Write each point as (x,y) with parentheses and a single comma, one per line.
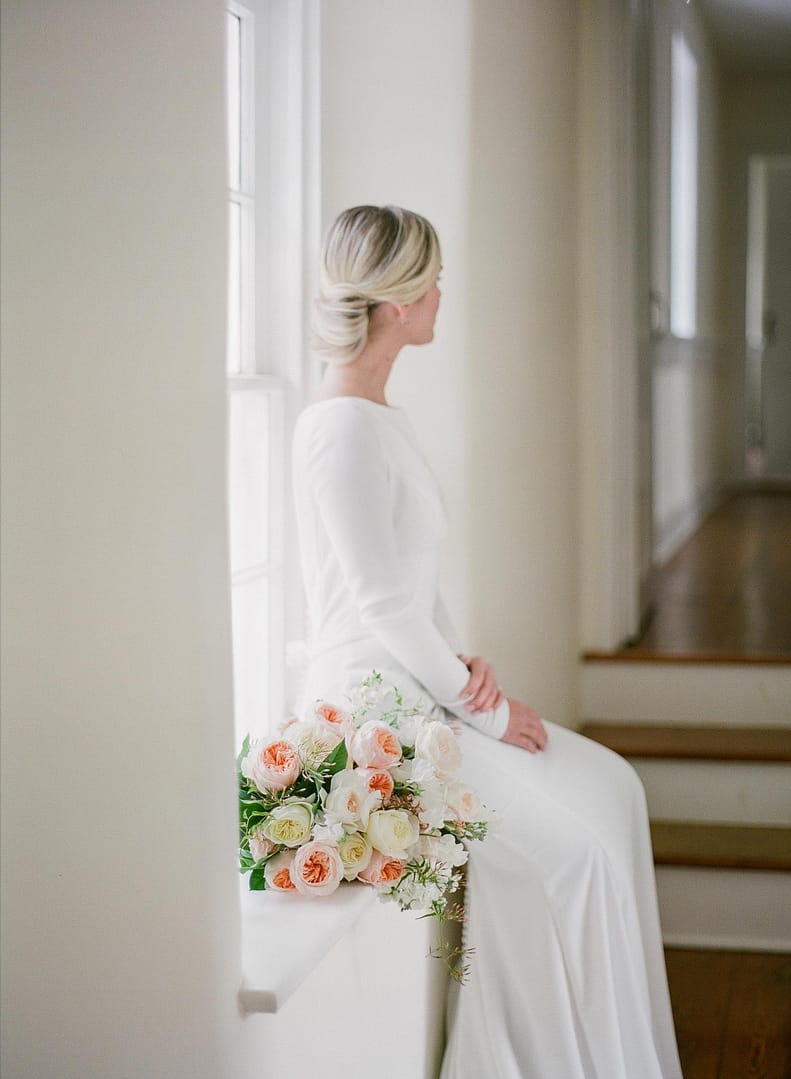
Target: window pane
(234,99)
(684,191)
(251,656)
(249,419)
(234,341)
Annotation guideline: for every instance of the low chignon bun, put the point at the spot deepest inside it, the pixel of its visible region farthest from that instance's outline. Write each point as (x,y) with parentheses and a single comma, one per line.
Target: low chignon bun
(372,255)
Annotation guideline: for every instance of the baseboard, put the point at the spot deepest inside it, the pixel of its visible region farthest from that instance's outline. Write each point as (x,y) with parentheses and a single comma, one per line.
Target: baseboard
(673,533)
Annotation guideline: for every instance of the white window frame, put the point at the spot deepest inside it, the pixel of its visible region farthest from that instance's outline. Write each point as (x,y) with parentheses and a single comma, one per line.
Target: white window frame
(279,200)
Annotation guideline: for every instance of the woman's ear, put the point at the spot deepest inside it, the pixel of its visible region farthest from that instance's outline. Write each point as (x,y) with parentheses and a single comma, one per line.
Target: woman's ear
(402,312)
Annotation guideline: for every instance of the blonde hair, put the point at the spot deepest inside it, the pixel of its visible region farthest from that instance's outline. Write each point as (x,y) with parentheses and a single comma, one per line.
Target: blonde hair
(372,255)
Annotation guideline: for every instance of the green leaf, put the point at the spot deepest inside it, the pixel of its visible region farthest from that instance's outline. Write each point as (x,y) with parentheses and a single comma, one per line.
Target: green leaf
(257,880)
(244,751)
(335,761)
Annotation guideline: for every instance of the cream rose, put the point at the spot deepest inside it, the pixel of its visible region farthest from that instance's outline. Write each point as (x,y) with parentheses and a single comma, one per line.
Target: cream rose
(289,824)
(382,870)
(277,872)
(436,743)
(355,851)
(392,831)
(272,766)
(317,869)
(375,745)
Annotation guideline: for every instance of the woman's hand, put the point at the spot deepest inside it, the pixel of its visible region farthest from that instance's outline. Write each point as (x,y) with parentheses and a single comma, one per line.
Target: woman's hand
(524,729)
(481,692)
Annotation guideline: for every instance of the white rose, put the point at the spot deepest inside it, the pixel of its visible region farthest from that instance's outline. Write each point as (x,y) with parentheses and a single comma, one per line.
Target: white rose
(393,831)
(436,743)
(350,800)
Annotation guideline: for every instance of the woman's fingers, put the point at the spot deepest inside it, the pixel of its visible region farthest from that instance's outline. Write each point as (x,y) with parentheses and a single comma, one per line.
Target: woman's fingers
(481,692)
(525,728)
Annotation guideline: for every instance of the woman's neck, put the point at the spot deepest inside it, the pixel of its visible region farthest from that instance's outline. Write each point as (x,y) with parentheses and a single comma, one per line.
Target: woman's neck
(366,376)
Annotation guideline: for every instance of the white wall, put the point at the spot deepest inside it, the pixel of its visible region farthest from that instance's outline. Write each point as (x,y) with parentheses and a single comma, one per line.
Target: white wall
(468,115)
(120,948)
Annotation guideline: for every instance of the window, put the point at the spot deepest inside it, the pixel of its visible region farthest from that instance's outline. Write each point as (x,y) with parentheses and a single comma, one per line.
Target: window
(272,250)
(684,190)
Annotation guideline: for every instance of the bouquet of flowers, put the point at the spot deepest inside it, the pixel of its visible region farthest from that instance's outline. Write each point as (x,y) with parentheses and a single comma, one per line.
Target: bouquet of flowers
(366,793)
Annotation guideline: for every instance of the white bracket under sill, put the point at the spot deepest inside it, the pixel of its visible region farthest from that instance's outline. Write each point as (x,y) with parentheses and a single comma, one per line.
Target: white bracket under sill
(285,937)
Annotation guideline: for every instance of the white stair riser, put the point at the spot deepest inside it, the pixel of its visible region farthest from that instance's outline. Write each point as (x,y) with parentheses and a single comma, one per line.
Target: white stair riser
(746,910)
(734,791)
(749,695)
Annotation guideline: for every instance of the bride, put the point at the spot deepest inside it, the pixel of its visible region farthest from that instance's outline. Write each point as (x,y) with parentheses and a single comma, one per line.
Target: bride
(568,980)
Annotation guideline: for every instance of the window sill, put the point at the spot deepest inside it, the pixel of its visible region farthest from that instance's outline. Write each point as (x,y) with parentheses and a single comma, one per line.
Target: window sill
(285,937)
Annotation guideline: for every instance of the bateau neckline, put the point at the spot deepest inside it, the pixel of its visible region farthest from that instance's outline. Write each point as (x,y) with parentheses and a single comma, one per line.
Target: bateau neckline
(393,410)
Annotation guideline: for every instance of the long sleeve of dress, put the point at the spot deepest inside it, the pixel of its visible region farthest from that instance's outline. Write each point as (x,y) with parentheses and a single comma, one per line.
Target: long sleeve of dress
(353,487)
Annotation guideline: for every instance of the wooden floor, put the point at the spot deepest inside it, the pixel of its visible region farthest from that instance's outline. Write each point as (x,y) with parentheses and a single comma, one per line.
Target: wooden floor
(727,593)
(732,1012)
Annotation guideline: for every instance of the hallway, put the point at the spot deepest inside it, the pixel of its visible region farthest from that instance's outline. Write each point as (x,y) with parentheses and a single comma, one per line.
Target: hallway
(726,595)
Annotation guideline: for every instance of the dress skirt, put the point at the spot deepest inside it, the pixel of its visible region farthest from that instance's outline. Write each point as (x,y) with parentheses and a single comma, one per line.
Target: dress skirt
(567,978)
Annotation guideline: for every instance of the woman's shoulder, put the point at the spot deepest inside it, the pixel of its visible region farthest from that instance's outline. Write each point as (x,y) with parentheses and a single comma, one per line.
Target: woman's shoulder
(351,417)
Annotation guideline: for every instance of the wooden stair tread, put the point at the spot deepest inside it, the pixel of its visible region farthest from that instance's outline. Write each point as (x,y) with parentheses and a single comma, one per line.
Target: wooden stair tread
(636,654)
(724,846)
(769,744)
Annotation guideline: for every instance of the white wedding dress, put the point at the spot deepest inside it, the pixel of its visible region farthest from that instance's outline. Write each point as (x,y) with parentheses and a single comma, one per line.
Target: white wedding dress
(568,978)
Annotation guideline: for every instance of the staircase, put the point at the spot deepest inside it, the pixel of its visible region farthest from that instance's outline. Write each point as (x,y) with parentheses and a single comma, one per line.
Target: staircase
(711,742)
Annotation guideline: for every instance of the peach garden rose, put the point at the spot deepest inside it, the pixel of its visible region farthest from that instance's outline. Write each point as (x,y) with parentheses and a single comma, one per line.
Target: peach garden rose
(326,715)
(272,766)
(379,780)
(317,869)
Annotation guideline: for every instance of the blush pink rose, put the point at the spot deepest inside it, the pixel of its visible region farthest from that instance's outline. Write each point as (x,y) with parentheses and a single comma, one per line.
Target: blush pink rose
(317,869)
(272,766)
(377,780)
(375,745)
(260,846)
(382,870)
